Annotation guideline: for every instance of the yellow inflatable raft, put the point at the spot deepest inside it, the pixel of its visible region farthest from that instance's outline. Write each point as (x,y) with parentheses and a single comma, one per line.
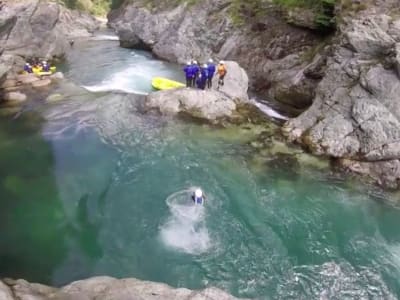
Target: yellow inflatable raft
(160,83)
(38,71)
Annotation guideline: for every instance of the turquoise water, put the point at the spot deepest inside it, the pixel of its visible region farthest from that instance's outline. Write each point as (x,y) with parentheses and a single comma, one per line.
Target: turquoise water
(91,186)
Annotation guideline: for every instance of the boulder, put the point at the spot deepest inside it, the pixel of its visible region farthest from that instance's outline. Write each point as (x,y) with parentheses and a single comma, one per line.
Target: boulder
(15,97)
(108,288)
(40,28)
(9,83)
(54,98)
(41,83)
(5,292)
(368,36)
(210,104)
(236,81)
(302,17)
(57,76)
(27,78)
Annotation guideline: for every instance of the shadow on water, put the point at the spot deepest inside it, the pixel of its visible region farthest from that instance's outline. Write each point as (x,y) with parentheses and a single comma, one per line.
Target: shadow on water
(32,235)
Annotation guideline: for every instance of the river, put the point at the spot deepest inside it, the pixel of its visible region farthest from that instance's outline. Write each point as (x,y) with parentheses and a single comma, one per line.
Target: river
(92,186)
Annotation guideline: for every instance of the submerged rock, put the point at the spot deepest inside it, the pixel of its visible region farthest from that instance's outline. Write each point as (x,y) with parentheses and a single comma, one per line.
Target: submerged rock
(14,98)
(107,288)
(41,83)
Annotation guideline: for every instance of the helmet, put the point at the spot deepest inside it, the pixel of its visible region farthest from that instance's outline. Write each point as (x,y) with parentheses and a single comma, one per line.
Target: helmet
(195,62)
(210,60)
(198,193)
(205,66)
(188,63)
(44,62)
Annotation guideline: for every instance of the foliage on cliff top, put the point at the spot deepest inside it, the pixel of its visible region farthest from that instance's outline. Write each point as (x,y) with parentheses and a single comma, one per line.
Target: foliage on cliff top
(96,7)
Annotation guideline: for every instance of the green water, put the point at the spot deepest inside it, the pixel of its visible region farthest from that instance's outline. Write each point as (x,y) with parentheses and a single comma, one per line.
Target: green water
(83,191)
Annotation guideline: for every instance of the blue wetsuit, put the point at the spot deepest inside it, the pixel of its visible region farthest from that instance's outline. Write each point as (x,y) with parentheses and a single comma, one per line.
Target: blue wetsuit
(189,75)
(195,72)
(201,83)
(210,75)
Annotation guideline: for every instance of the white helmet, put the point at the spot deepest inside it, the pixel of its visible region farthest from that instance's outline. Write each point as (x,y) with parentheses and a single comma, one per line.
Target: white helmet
(44,62)
(195,62)
(205,66)
(221,62)
(210,60)
(188,63)
(198,193)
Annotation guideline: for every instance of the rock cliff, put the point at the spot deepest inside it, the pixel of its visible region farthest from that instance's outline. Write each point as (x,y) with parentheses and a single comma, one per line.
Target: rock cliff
(268,48)
(355,116)
(105,288)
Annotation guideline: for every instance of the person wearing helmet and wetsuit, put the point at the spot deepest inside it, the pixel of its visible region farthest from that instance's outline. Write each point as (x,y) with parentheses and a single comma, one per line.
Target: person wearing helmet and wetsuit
(188,69)
(210,72)
(198,197)
(221,69)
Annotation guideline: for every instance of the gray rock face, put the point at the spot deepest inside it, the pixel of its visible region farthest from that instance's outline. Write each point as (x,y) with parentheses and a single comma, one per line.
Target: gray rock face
(209,105)
(356,114)
(41,28)
(106,288)
(268,49)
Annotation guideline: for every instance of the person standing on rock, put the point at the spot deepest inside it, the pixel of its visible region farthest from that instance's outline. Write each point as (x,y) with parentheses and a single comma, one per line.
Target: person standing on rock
(210,73)
(196,72)
(221,72)
(202,79)
(188,69)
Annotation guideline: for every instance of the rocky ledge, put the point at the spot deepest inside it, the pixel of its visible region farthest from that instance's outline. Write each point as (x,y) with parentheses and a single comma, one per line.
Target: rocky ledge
(355,116)
(105,288)
(272,51)
(211,104)
(34,28)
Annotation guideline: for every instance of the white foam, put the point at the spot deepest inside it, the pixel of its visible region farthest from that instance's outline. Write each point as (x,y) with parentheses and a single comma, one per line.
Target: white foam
(136,79)
(185,230)
(105,37)
(269,111)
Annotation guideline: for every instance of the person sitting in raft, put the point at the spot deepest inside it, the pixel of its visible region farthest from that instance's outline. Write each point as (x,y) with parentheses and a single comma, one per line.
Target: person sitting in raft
(28,68)
(221,72)
(210,73)
(198,197)
(45,66)
(188,69)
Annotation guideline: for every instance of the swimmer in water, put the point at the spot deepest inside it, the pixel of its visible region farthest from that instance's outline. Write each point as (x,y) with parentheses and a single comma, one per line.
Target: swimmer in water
(198,197)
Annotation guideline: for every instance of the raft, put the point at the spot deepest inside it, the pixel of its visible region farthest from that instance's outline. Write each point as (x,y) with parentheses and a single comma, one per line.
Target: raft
(160,83)
(38,71)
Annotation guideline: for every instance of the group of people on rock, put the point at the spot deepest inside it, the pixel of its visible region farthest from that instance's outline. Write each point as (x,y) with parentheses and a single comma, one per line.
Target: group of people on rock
(36,64)
(201,76)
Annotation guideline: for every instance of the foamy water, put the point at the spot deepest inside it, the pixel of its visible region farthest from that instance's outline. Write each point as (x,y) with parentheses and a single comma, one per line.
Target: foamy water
(185,230)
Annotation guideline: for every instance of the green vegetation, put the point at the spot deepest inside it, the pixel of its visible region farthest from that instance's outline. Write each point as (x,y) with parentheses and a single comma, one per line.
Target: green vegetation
(96,7)
(324,10)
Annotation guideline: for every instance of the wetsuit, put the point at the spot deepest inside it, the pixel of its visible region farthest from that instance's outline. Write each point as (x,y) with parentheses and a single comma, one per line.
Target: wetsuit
(210,74)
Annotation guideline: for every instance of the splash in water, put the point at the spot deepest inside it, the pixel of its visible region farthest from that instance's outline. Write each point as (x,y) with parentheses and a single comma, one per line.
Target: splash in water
(185,230)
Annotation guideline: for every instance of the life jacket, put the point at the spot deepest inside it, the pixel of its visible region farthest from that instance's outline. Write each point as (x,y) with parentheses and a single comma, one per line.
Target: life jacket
(199,200)
(221,70)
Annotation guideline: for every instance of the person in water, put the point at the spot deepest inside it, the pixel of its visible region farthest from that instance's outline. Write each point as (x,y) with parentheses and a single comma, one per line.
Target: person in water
(221,69)
(210,73)
(188,69)
(198,197)
(28,68)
